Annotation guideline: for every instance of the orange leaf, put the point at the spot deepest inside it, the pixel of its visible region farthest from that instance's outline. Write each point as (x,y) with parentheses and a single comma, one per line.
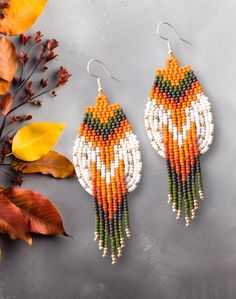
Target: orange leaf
(8,59)
(41,215)
(4,86)
(12,221)
(6,103)
(53,163)
(20,15)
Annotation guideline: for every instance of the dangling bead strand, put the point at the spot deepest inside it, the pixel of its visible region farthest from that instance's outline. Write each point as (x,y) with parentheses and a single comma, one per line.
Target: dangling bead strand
(107,162)
(179,125)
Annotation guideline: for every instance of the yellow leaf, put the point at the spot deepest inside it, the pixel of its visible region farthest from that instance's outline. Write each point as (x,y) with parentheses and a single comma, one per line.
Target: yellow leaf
(20,15)
(35,140)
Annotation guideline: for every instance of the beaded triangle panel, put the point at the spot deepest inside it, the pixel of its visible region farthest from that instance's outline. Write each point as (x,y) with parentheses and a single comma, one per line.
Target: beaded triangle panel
(108,164)
(178,121)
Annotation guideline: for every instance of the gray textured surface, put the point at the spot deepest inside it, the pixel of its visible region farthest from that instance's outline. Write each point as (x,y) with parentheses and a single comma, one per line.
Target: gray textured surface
(163,259)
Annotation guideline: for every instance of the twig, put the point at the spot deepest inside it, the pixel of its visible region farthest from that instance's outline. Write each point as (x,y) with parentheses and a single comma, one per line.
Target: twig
(27,79)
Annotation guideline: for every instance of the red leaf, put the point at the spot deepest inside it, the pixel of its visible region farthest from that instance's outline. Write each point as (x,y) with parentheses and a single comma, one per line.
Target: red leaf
(41,215)
(12,220)
(6,103)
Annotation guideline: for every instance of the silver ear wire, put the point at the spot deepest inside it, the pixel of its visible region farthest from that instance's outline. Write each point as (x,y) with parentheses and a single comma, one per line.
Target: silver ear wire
(97,77)
(170,50)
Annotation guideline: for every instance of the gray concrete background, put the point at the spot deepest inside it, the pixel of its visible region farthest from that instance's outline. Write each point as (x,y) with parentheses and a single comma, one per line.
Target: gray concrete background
(163,259)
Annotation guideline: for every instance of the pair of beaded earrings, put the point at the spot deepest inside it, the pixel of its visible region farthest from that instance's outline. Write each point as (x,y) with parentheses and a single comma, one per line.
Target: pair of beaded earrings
(107,156)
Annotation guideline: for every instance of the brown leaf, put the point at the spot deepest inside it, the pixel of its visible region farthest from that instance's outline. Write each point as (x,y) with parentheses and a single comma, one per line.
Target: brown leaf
(41,215)
(53,163)
(12,220)
(6,104)
(8,59)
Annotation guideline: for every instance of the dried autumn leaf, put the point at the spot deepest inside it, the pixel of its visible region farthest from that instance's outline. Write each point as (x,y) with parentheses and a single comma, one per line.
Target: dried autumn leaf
(6,103)
(41,215)
(8,63)
(20,15)
(53,163)
(4,86)
(12,221)
(8,59)
(35,140)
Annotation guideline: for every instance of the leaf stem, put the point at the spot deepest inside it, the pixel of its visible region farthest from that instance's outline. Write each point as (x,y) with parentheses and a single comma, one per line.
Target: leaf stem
(17,91)
(41,93)
(7,174)
(22,67)
(3,125)
(27,79)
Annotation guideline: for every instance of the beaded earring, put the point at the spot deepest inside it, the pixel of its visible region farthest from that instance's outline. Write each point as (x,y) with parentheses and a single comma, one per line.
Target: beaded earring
(178,121)
(108,164)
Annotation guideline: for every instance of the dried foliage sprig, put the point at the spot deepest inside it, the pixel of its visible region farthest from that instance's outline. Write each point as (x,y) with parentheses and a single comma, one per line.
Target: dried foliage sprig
(36,56)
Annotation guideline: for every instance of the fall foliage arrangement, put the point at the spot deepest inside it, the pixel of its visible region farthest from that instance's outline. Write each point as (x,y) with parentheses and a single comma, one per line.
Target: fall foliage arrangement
(27,149)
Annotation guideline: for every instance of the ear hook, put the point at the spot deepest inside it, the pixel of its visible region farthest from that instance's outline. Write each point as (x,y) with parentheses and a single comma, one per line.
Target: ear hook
(170,50)
(97,77)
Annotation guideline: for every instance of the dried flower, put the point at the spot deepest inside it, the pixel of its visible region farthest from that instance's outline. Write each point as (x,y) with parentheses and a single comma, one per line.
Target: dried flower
(44,82)
(14,119)
(37,103)
(24,38)
(26,117)
(52,44)
(29,91)
(18,180)
(44,68)
(24,58)
(53,93)
(43,49)
(63,76)
(51,55)
(38,37)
